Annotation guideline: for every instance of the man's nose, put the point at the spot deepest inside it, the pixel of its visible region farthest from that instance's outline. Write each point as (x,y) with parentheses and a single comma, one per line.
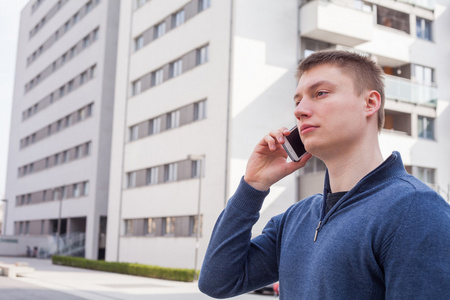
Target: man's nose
(303,109)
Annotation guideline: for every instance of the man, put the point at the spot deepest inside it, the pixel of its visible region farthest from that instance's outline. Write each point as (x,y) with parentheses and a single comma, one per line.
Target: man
(375,233)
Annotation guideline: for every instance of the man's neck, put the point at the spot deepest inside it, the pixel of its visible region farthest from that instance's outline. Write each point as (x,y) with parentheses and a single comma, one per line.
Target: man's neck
(347,169)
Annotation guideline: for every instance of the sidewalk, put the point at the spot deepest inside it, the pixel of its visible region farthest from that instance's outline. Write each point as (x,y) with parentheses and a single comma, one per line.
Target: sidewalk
(97,285)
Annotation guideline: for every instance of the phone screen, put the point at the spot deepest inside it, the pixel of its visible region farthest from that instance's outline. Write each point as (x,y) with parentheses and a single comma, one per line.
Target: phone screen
(294,145)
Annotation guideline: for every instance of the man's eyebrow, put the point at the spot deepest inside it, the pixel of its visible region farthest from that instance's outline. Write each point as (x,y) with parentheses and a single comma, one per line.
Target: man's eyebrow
(314,86)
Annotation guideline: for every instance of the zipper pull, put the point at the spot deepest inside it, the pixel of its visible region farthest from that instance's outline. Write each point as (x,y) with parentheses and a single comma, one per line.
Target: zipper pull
(317,231)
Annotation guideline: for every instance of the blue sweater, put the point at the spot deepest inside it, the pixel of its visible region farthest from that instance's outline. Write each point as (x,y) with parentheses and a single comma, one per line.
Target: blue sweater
(387,238)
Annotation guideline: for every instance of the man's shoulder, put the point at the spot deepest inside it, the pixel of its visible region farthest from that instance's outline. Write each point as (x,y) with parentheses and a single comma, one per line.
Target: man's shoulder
(313,202)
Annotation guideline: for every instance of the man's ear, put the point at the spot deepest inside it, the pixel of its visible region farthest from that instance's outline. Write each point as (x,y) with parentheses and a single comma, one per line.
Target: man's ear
(373,103)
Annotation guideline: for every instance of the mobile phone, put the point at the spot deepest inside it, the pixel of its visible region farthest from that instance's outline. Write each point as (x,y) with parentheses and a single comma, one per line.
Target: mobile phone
(293,145)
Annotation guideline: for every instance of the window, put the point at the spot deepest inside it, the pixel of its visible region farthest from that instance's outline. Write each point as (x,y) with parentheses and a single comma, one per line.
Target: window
(72,52)
(59,125)
(65,156)
(82,114)
(54,66)
(134,132)
(83,77)
(160,30)
(76,190)
(70,86)
(170,172)
(63,58)
(87,148)
(196,168)
(92,72)
(173,119)
(56,35)
(85,188)
(203,4)
(89,6)
(55,195)
(152,176)
(63,192)
(202,55)
(67,121)
(157,77)
(95,35)
(150,226)
(194,225)
(28,198)
(168,225)
(67,26)
(76,153)
(33,138)
(425,127)
(76,18)
(176,68)
(139,42)
(128,227)
(154,126)
(423,28)
(47,162)
(136,87)
(423,74)
(44,196)
(27,227)
(178,18)
(51,98)
(393,19)
(89,109)
(61,91)
(199,110)
(131,179)
(426,175)
(56,162)
(86,42)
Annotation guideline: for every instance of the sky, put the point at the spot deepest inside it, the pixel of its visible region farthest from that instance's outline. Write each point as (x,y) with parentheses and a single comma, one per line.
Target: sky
(9,31)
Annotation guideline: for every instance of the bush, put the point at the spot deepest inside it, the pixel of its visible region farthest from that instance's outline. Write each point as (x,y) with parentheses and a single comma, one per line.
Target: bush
(186,275)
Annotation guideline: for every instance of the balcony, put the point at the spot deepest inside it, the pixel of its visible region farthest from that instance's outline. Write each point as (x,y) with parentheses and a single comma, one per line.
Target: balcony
(336,24)
(401,89)
(428,4)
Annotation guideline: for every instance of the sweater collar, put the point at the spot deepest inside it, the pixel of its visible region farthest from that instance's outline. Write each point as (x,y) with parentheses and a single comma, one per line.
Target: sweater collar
(391,167)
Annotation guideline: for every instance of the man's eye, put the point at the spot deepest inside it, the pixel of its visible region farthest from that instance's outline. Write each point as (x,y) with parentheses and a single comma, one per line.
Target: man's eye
(321,93)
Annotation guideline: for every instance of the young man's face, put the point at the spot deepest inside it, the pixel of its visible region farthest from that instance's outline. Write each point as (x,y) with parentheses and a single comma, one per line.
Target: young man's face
(330,115)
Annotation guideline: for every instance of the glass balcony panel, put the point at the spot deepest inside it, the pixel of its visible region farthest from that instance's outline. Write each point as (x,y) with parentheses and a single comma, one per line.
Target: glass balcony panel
(405,90)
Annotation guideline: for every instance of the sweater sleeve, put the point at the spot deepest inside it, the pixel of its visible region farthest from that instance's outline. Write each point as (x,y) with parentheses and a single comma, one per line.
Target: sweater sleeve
(234,264)
(417,264)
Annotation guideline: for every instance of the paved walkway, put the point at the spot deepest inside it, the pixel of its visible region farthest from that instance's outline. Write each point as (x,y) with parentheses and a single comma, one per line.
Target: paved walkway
(94,285)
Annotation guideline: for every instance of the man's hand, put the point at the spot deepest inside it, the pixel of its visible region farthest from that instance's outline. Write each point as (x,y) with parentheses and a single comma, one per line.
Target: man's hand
(268,162)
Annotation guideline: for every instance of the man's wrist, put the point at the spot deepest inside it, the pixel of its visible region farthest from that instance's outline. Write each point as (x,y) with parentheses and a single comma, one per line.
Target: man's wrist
(257,185)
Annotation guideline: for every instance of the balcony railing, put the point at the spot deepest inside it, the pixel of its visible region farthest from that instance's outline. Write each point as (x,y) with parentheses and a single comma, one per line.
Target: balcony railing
(405,90)
(428,4)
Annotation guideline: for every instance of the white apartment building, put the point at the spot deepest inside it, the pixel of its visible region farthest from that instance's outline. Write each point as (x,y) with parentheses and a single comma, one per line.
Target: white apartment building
(60,141)
(155,149)
(200,82)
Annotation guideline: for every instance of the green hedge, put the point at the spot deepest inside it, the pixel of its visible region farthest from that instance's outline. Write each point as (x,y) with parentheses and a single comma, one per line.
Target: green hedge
(186,275)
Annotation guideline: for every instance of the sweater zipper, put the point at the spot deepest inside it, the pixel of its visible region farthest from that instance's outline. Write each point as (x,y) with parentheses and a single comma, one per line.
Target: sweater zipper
(317,231)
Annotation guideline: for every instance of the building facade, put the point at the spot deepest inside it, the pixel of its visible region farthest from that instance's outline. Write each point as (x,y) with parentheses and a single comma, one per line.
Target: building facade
(202,81)
(60,141)
(195,84)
